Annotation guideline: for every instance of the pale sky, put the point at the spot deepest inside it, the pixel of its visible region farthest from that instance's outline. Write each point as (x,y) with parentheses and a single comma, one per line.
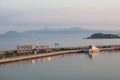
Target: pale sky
(22,15)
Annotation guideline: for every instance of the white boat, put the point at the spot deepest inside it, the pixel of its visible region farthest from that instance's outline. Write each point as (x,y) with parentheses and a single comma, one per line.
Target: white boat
(92,49)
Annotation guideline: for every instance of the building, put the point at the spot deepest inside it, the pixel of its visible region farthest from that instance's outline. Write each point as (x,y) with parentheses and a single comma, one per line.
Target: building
(31,47)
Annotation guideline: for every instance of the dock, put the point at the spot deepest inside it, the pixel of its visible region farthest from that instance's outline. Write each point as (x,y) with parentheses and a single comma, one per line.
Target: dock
(50,52)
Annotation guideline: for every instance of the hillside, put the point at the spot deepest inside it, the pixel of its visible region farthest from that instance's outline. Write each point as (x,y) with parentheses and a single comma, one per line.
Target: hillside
(103,36)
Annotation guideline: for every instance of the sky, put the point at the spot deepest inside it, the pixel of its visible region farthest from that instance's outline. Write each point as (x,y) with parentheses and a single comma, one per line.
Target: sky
(24,15)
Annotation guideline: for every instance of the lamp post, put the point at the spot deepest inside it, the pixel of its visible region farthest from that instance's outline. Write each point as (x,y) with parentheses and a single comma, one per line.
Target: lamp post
(57,46)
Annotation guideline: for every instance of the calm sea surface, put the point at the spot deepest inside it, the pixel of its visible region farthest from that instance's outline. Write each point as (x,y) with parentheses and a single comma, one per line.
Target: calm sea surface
(77,66)
(64,40)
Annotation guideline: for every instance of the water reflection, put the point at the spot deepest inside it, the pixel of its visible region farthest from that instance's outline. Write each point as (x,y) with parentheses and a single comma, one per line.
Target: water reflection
(40,60)
(93,54)
(30,61)
(33,61)
(46,59)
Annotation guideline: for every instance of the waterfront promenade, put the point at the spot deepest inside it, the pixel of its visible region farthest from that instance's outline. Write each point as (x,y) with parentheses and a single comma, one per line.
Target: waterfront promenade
(50,52)
(7,60)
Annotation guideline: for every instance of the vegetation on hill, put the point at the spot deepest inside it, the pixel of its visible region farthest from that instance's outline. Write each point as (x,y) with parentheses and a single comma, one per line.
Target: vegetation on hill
(102,36)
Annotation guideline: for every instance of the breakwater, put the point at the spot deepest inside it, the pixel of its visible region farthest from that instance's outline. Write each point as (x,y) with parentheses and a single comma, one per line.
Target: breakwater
(17,55)
(35,56)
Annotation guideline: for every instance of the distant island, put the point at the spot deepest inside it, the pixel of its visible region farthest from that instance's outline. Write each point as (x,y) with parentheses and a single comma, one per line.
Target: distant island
(104,36)
(47,31)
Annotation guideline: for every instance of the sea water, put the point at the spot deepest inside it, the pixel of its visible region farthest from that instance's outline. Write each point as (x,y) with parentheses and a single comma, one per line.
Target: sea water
(76,66)
(64,40)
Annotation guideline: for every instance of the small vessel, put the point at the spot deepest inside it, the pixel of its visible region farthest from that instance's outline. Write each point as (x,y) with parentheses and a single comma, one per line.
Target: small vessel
(92,49)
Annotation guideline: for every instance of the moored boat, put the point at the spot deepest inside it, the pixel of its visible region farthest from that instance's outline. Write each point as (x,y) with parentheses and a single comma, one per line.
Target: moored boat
(92,49)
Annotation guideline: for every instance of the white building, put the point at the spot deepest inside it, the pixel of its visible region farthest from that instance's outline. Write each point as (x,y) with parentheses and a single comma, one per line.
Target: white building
(30,47)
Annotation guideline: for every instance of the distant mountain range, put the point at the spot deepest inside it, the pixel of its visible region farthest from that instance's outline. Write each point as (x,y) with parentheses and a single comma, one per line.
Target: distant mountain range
(51,31)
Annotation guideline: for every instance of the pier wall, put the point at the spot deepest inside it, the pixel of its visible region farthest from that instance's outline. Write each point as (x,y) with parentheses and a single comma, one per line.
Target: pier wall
(101,47)
(35,56)
(53,52)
